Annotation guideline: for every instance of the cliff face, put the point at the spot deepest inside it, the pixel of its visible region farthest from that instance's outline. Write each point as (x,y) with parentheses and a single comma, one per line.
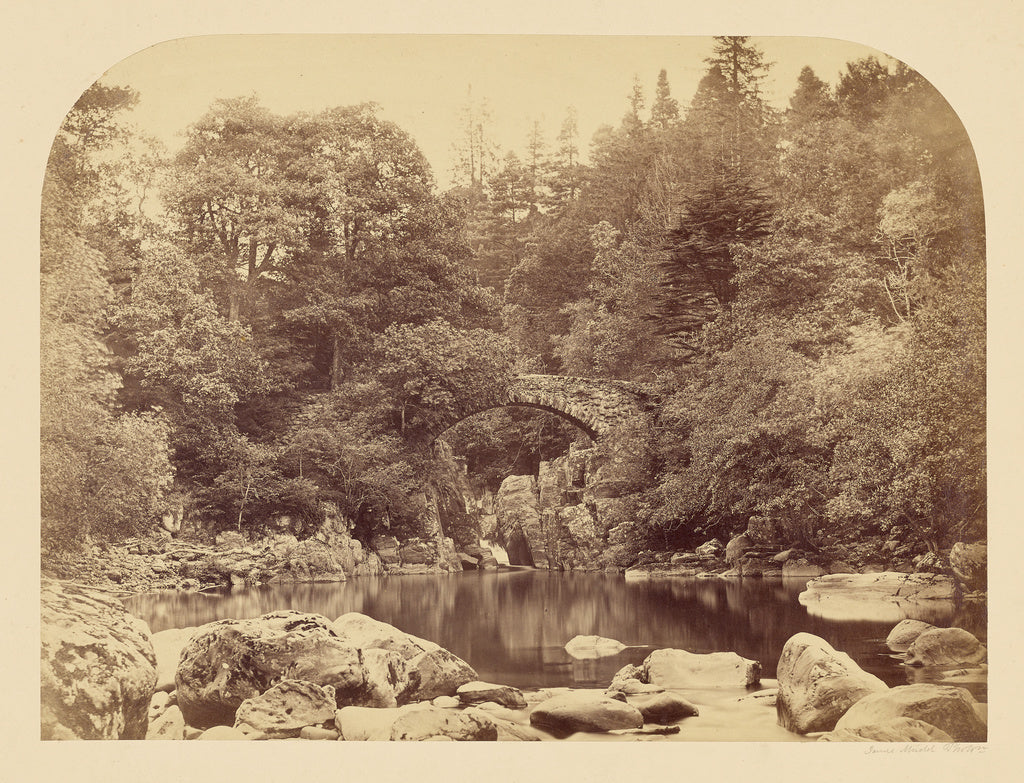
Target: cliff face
(556,519)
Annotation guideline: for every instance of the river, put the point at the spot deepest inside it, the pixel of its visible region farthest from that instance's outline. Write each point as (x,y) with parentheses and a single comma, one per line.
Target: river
(512,625)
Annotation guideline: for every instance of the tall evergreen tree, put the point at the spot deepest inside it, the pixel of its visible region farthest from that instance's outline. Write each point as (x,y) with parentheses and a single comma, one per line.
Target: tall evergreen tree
(620,160)
(475,151)
(567,176)
(665,110)
(697,275)
(728,114)
(538,167)
(812,98)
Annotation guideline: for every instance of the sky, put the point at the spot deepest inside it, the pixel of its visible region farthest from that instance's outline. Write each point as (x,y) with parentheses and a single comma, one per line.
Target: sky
(422,81)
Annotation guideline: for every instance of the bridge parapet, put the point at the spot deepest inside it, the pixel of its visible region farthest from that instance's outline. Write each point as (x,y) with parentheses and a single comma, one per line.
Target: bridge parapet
(594,405)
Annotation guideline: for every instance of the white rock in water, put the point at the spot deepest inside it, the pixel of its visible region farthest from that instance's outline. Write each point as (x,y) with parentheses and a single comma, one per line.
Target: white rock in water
(671,668)
(880,597)
(586,647)
(905,633)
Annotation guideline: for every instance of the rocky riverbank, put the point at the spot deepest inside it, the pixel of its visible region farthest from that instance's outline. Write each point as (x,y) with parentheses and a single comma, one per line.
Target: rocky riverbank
(292,675)
(228,559)
(562,519)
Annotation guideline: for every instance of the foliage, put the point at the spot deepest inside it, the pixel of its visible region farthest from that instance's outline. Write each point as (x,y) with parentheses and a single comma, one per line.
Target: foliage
(103,473)
(188,359)
(723,211)
(348,450)
(805,290)
(609,335)
(437,375)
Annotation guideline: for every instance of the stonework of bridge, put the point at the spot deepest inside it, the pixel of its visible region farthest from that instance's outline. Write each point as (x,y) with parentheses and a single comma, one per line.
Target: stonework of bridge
(595,406)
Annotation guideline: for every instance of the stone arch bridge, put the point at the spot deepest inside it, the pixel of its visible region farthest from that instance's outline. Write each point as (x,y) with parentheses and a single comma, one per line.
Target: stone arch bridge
(594,406)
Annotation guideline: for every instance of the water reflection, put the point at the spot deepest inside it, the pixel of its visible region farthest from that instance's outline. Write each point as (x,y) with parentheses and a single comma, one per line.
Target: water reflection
(512,625)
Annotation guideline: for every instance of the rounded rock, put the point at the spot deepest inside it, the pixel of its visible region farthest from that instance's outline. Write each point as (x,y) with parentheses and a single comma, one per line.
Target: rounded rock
(946,707)
(573,712)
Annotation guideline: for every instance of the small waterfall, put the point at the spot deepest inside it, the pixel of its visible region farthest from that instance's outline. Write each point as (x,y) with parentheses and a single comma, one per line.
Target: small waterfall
(496,549)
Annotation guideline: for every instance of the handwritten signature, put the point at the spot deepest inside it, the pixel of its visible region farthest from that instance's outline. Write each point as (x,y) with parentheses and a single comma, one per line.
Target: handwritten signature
(938,747)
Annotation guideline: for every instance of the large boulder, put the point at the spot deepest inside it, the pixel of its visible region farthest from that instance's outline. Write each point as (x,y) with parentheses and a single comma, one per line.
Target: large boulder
(288,707)
(905,633)
(584,711)
(969,563)
(432,670)
(895,730)
(519,523)
(946,707)
(364,632)
(588,647)
(682,669)
(229,661)
(97,666)
(946,647)
(817,684)
(437,673)
(709,549)
(737,547)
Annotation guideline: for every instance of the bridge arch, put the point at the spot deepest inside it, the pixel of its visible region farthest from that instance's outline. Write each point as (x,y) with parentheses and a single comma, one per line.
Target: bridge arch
(594,406)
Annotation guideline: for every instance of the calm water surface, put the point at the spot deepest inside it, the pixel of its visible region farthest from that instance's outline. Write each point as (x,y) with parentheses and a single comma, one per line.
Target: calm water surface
(512,625)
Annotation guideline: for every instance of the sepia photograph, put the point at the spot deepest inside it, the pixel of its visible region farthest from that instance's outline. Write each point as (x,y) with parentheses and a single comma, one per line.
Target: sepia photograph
(514,387)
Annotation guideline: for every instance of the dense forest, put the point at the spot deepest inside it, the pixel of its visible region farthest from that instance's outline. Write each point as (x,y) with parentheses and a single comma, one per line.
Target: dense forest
(305,312)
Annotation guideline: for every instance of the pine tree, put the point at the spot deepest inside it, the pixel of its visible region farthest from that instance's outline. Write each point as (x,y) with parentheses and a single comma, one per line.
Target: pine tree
(567,177)
(621,160)
(865,87)
(697,274)
(475,151)
(728,114)
(742,64)
(812,98)
(538,167)
(665,111)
